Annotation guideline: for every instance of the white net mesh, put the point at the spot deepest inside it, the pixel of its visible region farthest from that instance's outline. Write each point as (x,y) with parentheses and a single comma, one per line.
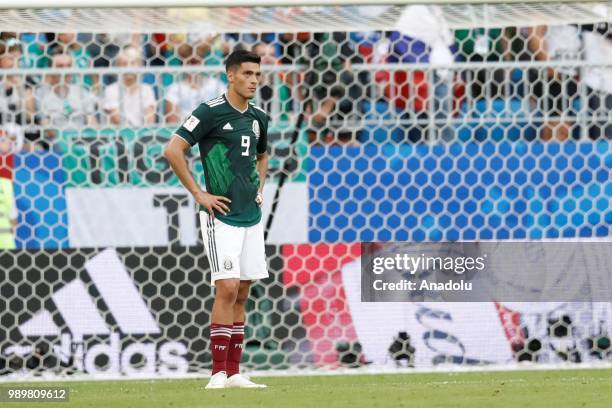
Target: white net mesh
(471,123)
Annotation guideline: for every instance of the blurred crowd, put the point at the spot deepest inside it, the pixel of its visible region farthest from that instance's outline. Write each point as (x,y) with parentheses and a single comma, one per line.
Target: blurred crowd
(344,83)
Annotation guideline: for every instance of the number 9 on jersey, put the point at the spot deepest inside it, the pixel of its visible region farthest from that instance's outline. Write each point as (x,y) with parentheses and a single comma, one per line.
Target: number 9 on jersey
(246,143)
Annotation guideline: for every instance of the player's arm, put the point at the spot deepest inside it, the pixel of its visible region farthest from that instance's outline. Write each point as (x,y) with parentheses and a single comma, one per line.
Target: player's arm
(262,169)
(176,154)
(262,163)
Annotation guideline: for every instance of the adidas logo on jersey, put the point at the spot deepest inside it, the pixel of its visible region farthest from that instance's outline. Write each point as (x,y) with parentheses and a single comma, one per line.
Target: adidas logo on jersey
(228,126)
(83,342)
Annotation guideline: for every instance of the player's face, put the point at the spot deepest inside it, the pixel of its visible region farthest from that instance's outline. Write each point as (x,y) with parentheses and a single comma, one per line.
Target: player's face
(244,79)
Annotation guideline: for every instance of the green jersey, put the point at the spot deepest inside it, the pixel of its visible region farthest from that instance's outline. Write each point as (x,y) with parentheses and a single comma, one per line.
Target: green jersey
(229,142)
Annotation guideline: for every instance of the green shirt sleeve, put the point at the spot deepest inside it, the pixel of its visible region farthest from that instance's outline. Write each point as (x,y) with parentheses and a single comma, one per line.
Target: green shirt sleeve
(197,126)
(262,143)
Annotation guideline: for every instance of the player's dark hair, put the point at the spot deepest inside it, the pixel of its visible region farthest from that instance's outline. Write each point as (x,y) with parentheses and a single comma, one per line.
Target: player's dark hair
(240,56)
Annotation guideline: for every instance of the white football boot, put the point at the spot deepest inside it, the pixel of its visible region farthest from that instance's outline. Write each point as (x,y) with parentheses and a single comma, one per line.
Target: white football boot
(242,381)
(217,381)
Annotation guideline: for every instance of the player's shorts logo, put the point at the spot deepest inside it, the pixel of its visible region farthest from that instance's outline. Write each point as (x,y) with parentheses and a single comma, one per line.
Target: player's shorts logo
(227,264)
(256,128)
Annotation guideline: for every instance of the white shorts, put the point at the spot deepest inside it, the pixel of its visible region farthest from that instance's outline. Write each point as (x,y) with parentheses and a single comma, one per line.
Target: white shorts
(234,252)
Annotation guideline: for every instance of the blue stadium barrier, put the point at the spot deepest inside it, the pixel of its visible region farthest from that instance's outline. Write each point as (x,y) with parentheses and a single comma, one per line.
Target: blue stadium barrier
(506,190)
(39,194)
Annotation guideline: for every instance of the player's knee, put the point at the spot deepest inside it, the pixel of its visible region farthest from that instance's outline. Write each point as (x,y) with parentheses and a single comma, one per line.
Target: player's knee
(241,298)
(227,290)
(243,292)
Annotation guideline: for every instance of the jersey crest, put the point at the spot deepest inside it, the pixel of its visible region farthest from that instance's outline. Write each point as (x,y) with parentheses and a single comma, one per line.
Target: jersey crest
(256,128)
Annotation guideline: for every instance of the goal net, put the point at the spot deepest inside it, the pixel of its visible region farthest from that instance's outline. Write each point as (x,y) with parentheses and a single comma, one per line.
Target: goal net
(410,122)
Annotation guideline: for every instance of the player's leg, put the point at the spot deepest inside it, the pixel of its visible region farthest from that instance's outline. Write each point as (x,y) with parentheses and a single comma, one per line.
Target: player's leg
(226,292)
(234,378)
(252,266)
(236,342)
(223,245)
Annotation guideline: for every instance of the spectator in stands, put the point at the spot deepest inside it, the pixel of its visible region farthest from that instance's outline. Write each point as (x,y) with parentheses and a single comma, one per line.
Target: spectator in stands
(129,102)
(191,89)
(104,49)
(17,102)
(163,50)
(291,48)
(424,38)
(59,103)
(14,92)
(283,48)
(483,45)
(32,47)
(371,45)
(273,95)
(70,44)
(211,48)
(598,79)
(555,89)
(11,139)
(325,124)
(266,52)
(333,92)
(66,43)
(240,41)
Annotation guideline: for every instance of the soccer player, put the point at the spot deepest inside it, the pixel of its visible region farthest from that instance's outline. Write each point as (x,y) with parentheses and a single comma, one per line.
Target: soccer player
(232,136)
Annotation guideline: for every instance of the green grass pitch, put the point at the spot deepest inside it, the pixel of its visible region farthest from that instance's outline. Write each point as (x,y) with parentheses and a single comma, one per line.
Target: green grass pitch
(516,389)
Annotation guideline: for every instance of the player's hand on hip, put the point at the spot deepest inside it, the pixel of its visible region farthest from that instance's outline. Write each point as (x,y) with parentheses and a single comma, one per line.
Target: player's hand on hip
(259,199)
(213,203)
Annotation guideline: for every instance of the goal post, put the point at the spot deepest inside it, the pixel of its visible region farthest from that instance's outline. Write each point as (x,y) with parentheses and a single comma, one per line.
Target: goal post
(219,17)
(409,121)
(242,3)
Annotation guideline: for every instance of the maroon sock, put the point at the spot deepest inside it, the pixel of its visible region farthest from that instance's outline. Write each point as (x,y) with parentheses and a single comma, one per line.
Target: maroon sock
(220,335)
(235,349)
